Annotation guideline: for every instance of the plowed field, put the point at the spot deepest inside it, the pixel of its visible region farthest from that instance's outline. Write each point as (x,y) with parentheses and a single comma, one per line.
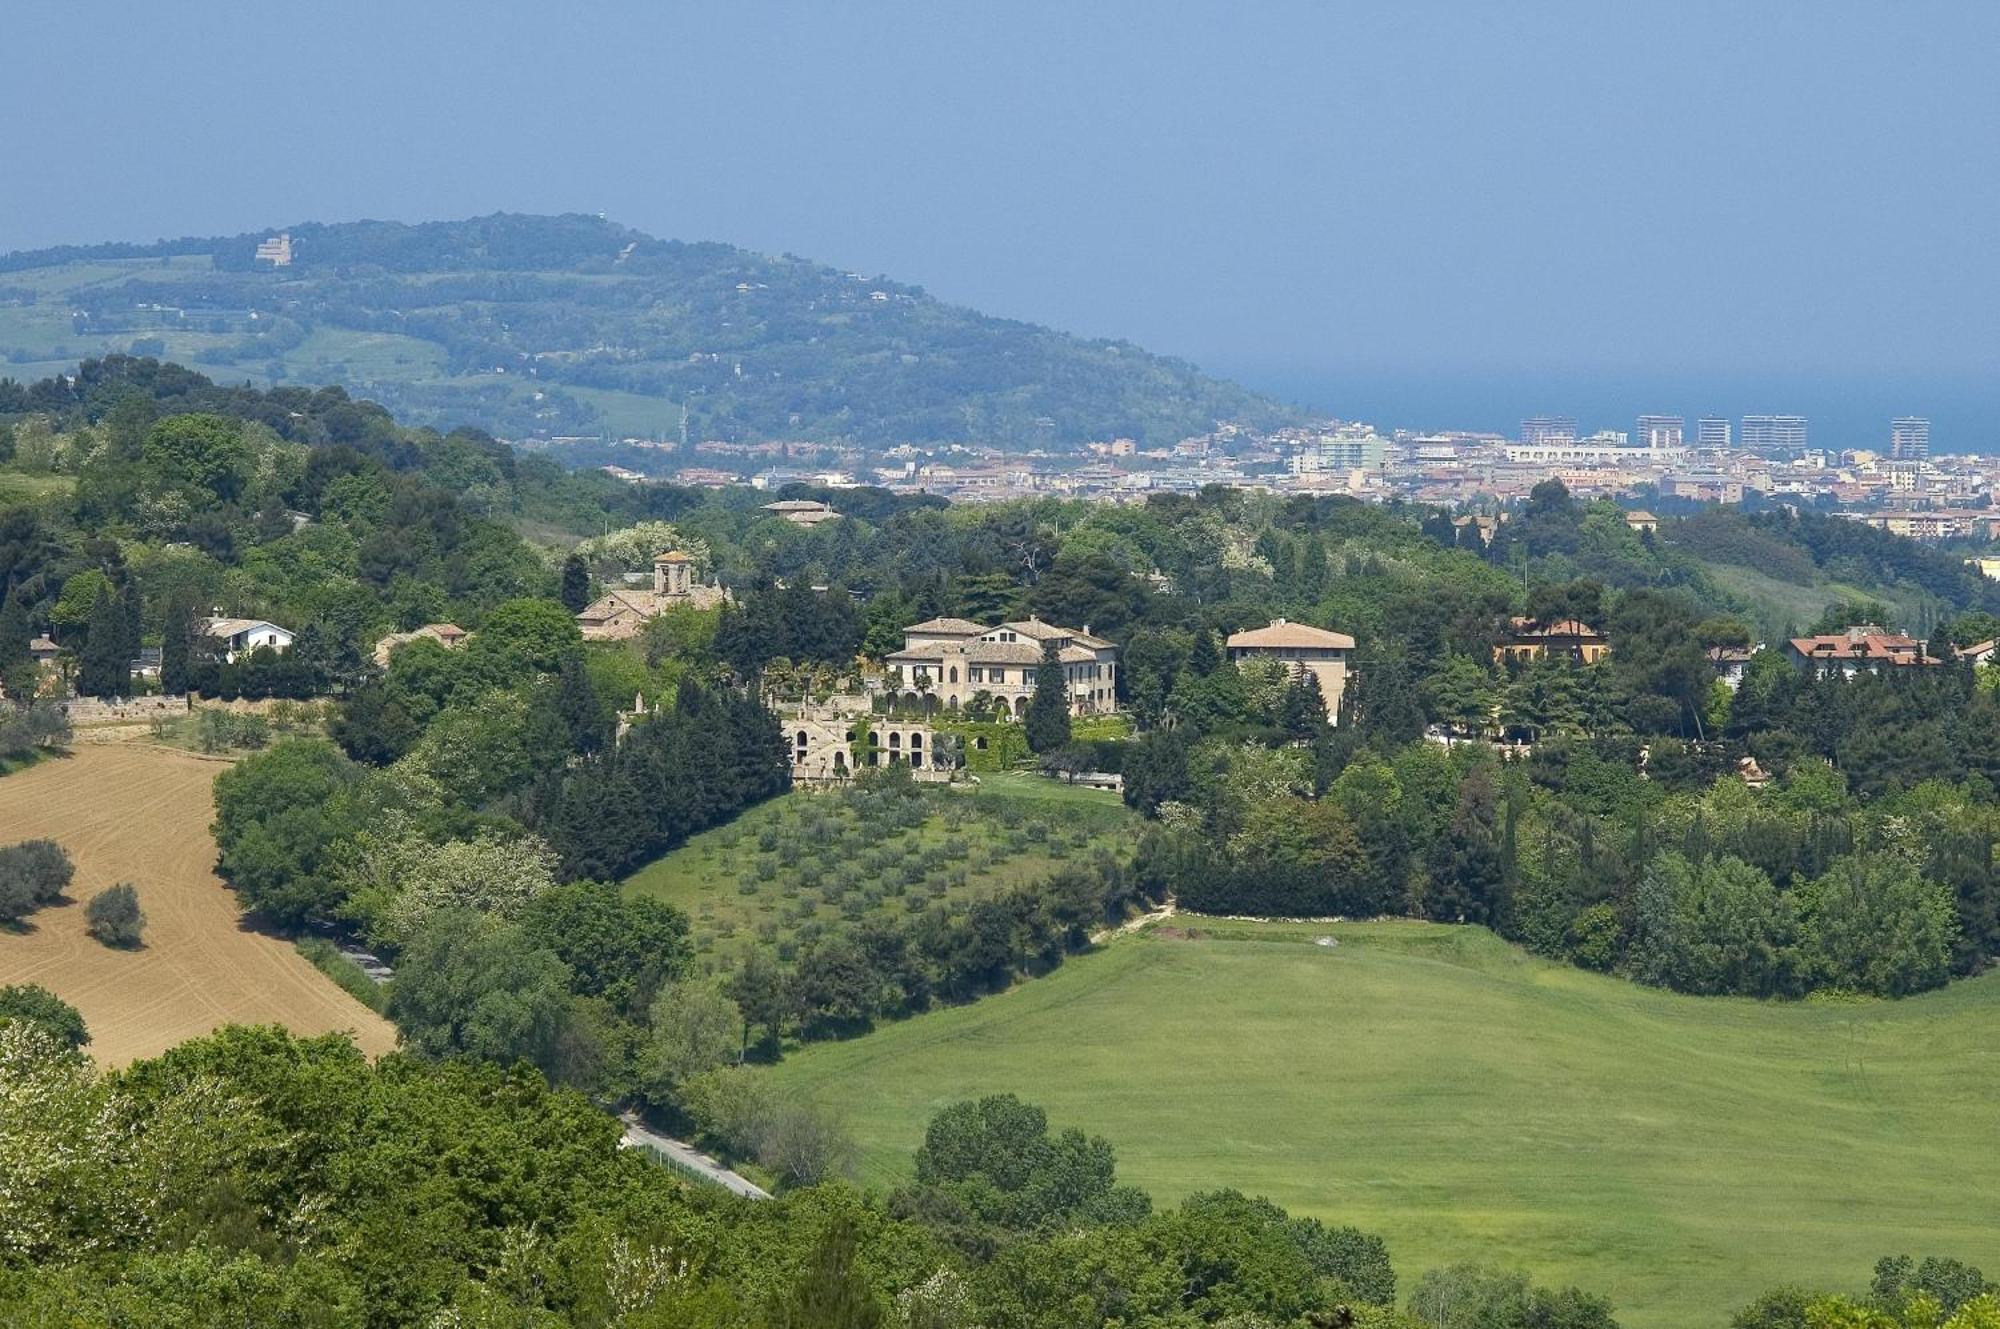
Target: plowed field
(138,813)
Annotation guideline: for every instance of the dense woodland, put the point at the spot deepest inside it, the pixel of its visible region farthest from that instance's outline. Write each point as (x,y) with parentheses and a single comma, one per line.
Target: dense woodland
(469,813)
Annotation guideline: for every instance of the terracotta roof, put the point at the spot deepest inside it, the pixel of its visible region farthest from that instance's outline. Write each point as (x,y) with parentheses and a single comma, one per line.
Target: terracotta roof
(673,556)
(1567,627)
(1881,647)
(1282,634)
(936,627)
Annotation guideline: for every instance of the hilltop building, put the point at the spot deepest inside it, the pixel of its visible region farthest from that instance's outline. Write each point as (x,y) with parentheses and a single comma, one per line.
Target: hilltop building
(619,615)
(277,251)
(1863,646)
(801,511)
(952,660)
(1302,649)
(1525,640)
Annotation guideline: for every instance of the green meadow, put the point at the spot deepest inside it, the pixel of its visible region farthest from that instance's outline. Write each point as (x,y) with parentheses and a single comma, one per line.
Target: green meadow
(1468,1101)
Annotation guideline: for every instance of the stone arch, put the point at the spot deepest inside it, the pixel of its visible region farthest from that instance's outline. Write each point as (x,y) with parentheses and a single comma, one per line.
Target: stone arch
(1020,708)
(952,674)
(839,762)
(895,741)
(916,741)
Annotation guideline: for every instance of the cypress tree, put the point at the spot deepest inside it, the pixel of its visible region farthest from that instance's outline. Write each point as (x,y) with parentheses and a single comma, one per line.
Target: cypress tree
(177,646)
(107,668)
(577,704)
(1048,708)
(14,632)
(575,584)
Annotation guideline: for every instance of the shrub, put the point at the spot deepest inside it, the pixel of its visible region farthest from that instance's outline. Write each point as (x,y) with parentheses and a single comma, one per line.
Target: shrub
(114,916)
(32,874)
(36,1005)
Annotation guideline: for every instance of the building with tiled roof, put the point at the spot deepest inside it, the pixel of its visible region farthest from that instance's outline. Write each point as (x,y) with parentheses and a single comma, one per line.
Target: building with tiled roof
(801,511)
(952,660)
(1525,639)
(1863,646)
(448,635)
(619,615)
(1302,649)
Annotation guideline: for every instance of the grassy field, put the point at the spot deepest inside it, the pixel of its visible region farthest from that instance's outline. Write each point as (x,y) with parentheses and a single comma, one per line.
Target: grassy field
(809,860)
(1469,1102)
(1781,602)
(138,813)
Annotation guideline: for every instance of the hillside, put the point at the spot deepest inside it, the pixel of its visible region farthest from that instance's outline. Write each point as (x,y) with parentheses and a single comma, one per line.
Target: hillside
(1678,1155)
(561,325)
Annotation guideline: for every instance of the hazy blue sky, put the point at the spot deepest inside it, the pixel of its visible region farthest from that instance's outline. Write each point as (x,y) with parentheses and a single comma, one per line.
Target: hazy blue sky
(1425,213)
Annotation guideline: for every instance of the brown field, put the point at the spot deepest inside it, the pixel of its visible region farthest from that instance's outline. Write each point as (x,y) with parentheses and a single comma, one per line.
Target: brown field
(139,813)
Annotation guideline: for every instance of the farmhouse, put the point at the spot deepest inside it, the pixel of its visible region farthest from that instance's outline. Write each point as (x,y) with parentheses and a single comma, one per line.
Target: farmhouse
(1525,639)
(619,615)
(240,636)
(1303,650)
(950,661)
(448,635)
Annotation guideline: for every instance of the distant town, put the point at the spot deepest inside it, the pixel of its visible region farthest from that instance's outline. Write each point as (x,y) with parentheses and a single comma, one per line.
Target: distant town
(1662,463)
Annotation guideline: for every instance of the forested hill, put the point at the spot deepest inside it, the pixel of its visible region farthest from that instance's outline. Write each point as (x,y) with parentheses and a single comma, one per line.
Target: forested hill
(558,325)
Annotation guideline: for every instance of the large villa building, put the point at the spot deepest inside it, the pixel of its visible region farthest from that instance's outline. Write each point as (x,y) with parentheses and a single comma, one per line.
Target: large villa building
(953,660)
(1302,649)
(619,615)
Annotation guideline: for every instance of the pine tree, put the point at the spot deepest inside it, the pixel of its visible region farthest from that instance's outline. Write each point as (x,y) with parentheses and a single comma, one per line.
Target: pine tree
(1048,708)
(575,584)
(177,646)
(107,668)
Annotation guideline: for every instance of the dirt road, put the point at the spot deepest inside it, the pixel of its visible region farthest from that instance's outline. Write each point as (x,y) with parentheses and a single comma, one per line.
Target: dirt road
(140,813)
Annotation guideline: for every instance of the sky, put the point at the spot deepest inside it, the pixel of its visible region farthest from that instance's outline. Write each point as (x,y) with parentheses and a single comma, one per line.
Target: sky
(1424,214)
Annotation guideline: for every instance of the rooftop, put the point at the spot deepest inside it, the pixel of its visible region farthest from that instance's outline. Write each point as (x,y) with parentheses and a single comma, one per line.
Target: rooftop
(1284,634)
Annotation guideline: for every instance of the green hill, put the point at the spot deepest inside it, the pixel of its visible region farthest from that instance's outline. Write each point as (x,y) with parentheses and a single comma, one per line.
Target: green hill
(1467,1101)
(573,324)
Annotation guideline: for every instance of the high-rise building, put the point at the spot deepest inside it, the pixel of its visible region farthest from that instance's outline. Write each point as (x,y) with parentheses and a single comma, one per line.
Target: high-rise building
(1659,431)
(1712,431)
(1909,438)
(1545,429)
(1774,433)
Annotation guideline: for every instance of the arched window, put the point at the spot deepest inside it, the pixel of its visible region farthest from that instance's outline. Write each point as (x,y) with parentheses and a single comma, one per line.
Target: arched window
(916,740)
(895,741)
(954,674)
(802,738)
(839,760)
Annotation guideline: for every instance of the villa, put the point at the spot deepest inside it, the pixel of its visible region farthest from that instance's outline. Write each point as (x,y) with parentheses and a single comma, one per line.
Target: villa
(950,661)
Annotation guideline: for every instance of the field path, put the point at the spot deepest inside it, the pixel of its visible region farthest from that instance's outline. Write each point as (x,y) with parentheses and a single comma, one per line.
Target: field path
(139,813)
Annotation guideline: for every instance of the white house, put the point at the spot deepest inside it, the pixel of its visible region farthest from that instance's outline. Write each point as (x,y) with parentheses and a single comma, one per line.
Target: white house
(240,636)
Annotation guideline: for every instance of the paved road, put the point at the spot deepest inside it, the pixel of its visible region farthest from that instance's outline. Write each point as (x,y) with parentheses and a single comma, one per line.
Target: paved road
(690,1158)
(636,1134)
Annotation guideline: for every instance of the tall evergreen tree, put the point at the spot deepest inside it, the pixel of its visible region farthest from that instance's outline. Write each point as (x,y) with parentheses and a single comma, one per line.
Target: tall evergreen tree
(107,667)
(1048,708)
(14,631)
(575,584)
(177,646)
(1467,867)
(577,704)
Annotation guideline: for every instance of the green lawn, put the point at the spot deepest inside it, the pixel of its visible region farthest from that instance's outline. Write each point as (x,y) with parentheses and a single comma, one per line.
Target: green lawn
(1470,1102)
(810,861)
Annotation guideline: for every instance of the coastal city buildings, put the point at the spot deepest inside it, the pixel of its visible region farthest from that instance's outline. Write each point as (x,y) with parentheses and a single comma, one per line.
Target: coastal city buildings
(1909,438)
